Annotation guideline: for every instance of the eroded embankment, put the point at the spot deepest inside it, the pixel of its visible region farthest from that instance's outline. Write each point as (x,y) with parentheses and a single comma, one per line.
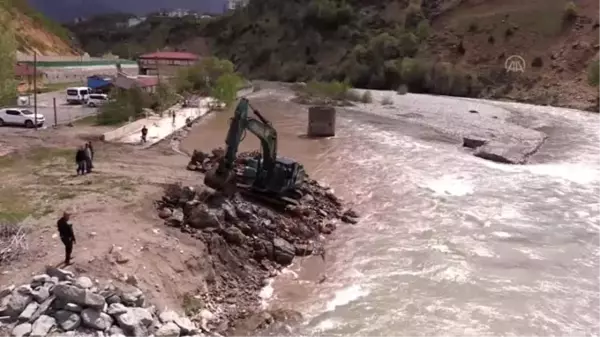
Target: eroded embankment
(247,241)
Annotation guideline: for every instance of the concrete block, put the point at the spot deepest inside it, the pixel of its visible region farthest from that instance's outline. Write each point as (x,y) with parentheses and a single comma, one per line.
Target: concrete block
(321,121)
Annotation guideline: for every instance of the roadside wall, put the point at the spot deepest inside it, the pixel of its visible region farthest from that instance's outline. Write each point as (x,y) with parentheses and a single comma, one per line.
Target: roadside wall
(80,74)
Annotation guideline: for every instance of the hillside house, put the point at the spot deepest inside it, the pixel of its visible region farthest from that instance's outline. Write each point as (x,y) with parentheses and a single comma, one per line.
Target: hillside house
(165,62)
(146,83)
(24,74)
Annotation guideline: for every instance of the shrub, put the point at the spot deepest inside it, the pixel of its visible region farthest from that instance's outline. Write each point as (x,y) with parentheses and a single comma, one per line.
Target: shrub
(367,97)
(422,30)
(353,95)
(537,62)
(408,44)
(593,73)
(570,11)
(413,16)
(387,101)
(413,72)
(335,90)
(13,242)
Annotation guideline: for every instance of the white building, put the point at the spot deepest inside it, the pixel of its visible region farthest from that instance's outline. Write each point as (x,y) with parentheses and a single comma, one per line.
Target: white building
(235,4)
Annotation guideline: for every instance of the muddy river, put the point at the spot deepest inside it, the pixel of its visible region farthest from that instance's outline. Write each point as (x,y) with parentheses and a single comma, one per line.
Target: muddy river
(449,244)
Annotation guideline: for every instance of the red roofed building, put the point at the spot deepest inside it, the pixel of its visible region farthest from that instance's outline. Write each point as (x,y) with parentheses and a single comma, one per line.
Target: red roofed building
(165,62)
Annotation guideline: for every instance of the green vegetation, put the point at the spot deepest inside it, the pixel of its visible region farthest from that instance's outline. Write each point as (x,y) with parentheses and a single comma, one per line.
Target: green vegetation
(8,46)
(593,70)
(211,76)
(570,11)
(191,305)
(124,105)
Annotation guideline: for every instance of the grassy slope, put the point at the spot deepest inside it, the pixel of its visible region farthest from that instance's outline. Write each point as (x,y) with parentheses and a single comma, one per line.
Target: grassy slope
(34,31)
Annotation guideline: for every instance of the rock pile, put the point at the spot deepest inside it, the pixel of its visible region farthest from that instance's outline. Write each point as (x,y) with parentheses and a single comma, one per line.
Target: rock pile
(57,303)
(249,242)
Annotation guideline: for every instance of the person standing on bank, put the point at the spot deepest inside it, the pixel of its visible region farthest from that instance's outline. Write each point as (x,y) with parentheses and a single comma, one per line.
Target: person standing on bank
(81,159)
(67,236)
(88,158)
(144,134)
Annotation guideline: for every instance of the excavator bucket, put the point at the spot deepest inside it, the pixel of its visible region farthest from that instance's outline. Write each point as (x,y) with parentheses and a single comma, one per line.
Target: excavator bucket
(225,183)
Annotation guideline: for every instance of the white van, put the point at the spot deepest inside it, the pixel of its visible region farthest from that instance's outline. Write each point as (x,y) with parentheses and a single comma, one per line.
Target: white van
(79,95)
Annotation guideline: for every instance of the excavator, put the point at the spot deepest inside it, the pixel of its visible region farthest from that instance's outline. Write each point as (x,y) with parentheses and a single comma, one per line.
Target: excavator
(270,178)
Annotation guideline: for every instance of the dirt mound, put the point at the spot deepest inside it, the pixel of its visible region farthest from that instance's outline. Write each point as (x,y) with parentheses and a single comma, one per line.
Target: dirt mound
(249,242)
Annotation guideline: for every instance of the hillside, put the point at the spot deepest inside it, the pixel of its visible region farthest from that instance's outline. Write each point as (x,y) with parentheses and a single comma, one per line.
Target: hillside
(450,47)
(34,32)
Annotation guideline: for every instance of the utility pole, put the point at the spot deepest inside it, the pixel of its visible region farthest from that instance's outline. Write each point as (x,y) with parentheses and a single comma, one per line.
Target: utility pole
(35,124)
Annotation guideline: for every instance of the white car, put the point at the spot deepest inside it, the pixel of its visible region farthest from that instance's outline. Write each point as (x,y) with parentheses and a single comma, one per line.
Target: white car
(19,116)
(95,100)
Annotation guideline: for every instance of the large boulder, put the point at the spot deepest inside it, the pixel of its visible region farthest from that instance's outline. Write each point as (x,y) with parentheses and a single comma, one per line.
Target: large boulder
(41,294)
(168,316)
(201,217)
(83,297)
(96,319)
(27,314)
(61,274)
(131,296)
(116,309)
(67,320)
(168,330)
(135,322)
(509,152)
(16,303)
(22,330)
(84,282)
(186,325)
(42,326)
(283,251)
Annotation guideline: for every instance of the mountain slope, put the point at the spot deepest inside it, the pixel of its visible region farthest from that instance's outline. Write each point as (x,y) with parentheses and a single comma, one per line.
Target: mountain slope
(33,31)
(439,46)
(67,10)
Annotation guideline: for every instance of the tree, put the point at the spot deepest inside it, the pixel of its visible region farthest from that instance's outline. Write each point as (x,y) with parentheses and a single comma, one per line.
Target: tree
(226,88)
(8,46)
(212,76)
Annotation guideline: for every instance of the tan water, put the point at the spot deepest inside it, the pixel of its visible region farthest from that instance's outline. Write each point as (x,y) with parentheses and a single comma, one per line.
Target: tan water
(448,244)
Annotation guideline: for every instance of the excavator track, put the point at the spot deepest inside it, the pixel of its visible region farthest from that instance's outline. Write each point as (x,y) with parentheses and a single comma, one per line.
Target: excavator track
(267,198)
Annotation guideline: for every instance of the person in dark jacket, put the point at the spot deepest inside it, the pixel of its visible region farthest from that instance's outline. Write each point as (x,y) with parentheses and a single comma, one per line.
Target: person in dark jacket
(67,236)
(81,160)
(144,134)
